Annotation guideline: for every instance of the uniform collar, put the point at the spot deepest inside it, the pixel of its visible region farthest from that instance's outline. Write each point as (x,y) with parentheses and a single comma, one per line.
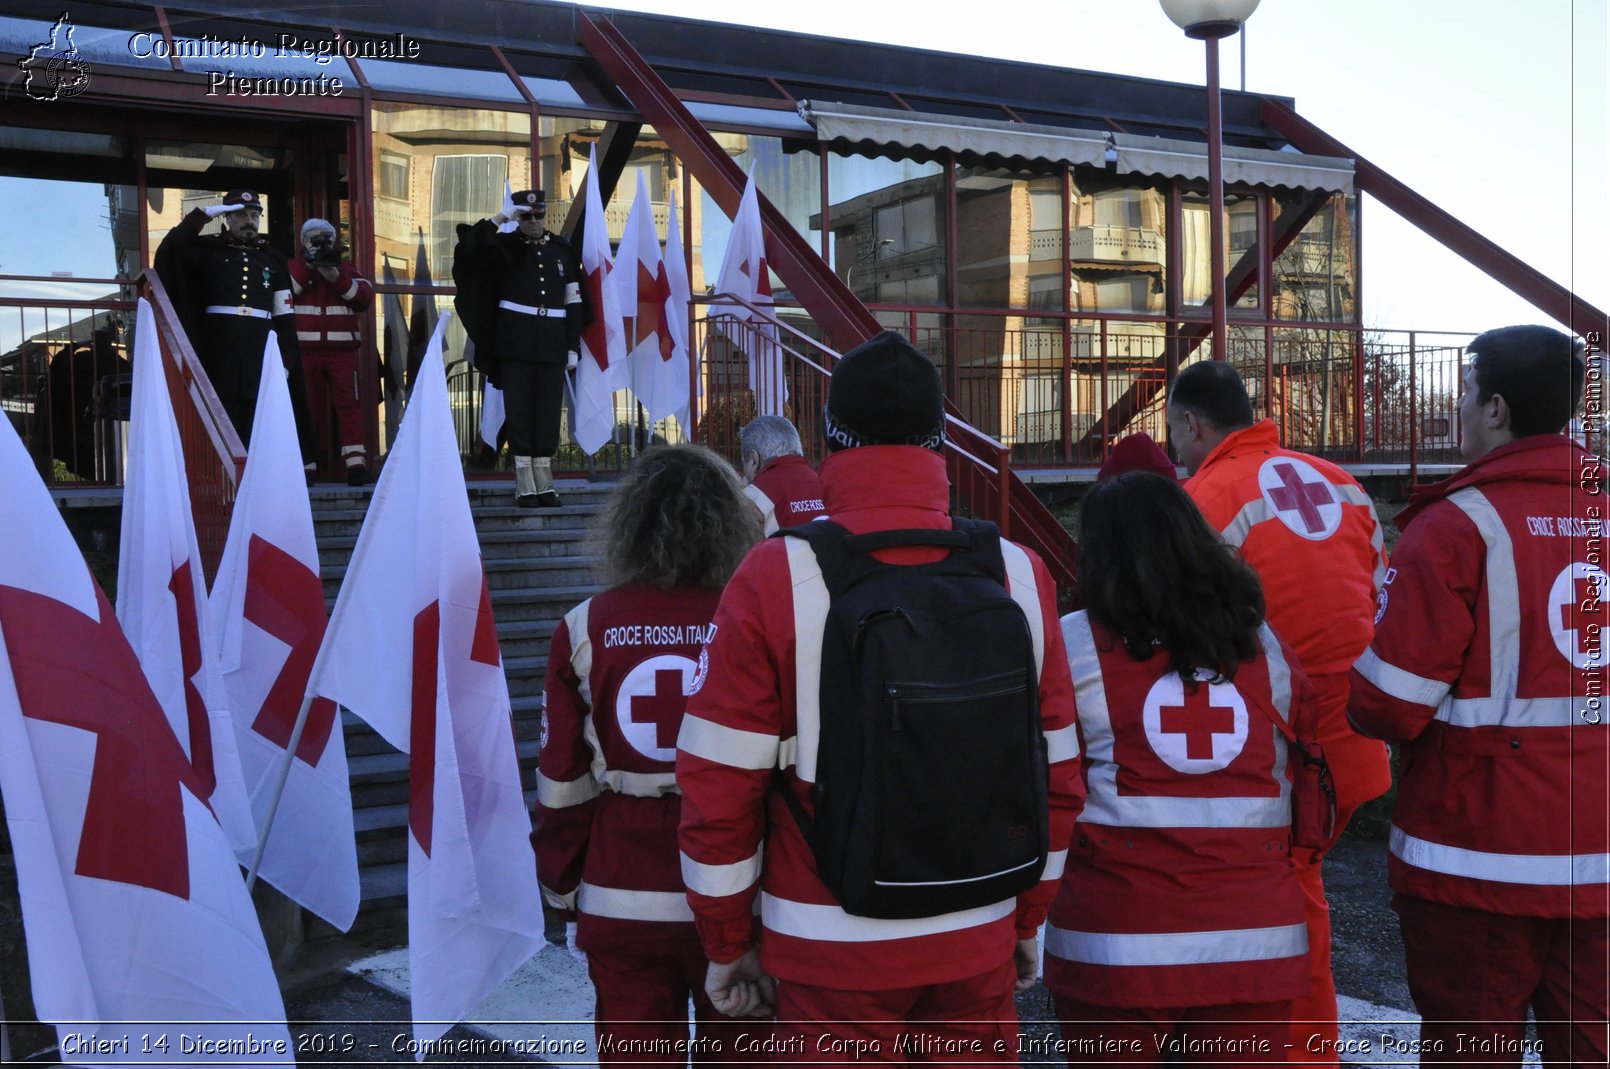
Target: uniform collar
(876,478)
(1261,437)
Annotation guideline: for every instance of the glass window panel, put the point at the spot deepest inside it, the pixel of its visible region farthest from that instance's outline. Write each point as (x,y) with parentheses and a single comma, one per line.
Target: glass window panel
(1008,232)
(565,146)
(1311,394)
(456,161)
(1241,213)
(67,142)
(313,75)
(792,181)
(877,203)
(85,44)
(1117,247)
(1316,276)
(551,92)
(426,80)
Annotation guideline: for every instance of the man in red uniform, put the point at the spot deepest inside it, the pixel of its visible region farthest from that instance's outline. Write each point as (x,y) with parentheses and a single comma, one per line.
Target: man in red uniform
(1310,532)
(782,483)
(1488,664)
(328,293)
(847,984)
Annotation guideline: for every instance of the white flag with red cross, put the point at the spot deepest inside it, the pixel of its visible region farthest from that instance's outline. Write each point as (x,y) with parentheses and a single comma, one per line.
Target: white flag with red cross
(413,649)
(140,934)
(659,380)
(744,273)
(162,594)
(678,298)
(603,341)
(267,619)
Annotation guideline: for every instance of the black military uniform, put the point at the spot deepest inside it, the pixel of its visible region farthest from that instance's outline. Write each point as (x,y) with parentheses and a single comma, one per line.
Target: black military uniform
(229,295)
(520,299)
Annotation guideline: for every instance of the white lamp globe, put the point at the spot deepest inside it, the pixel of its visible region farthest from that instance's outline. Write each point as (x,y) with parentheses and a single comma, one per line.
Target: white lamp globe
(1209,18)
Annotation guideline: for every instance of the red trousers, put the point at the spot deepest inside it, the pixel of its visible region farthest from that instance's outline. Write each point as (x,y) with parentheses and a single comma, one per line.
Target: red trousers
(1246,1033)
(1473,974)
(641,1014)
(971,1021)
(332,384)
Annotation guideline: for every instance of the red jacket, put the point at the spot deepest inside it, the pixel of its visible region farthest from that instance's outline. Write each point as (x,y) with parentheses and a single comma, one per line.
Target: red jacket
(1310,532)
(756,712)
(1489,663)
(1179,889)
(619,667)
(327,312)
(788,492)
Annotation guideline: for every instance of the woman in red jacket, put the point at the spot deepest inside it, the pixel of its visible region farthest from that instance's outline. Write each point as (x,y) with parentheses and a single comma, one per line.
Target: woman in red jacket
(1178,931)
(620,667)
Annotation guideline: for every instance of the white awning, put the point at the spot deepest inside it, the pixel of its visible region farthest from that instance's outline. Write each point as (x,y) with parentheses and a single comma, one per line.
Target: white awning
(1242,166)
(852,124)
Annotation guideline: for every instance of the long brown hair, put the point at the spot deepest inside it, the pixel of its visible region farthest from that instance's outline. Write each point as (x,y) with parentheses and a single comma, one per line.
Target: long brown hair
(1153,572)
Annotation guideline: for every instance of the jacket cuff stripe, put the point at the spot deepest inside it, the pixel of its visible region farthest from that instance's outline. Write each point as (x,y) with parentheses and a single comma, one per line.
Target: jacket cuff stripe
(721,881)
(723,745)
(1062,744)
(628,905)
(830,924)
(555,900)
(1397,683)
(562,794)
(1055,862)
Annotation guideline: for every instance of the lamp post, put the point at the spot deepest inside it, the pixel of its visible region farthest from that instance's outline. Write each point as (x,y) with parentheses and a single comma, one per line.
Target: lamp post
(1210,21)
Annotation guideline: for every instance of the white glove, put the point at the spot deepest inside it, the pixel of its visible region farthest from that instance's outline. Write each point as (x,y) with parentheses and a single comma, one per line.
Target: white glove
(213,211)
(570,943)
(572,358)
(500,218)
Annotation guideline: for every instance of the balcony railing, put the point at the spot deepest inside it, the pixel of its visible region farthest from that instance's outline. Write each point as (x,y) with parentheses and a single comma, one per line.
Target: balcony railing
(1120,244)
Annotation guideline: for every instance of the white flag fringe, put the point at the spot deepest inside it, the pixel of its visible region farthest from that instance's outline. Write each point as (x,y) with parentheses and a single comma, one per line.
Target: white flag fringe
(267,620)
(162,593)
(744,273)
(139,930)
(412,648)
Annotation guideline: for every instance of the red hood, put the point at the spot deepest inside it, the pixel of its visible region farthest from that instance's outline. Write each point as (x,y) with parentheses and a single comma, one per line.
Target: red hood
(1537,458)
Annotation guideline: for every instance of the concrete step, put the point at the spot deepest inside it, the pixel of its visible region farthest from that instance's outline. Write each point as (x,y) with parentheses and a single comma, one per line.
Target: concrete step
(502,573)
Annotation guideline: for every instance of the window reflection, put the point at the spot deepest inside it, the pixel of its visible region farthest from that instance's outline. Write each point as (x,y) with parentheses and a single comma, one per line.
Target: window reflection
(1314,276)
(1118,247)
(1241,234)
(888,228)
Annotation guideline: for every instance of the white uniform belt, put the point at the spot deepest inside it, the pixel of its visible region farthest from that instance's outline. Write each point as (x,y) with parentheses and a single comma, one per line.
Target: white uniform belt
(531,310)
(238,310)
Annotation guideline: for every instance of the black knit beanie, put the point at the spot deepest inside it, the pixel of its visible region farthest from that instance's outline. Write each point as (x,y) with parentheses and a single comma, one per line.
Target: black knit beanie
(884,392)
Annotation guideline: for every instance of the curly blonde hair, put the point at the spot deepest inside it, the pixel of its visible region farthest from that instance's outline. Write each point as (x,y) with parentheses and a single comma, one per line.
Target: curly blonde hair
(678,519)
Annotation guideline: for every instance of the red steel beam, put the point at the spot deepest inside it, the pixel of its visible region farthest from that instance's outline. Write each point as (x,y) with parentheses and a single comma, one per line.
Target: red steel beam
(842,317)
(1531,285)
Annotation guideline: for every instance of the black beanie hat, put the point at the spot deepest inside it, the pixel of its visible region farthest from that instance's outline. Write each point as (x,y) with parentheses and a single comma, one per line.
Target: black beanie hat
(884,392)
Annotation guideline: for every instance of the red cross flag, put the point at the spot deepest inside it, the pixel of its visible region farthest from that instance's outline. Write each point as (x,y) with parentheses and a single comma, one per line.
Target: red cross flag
(744,274)
(676,307)
(603,342)
(162,597)
(267,619)
(413,649)
(659,380)
(140,933)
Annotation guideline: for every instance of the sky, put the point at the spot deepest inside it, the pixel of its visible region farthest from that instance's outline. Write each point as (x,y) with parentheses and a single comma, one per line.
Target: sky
(1497,112)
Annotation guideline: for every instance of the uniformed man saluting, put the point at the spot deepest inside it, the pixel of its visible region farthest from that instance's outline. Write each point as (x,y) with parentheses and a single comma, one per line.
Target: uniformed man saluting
(229,290)
(520,299)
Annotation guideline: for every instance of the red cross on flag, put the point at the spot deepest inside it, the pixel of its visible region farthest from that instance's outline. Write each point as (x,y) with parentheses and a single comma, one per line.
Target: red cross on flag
(744,274)
(161,595)
(659,381)
(132,903)
(412,648)
(603,341)
(266,617)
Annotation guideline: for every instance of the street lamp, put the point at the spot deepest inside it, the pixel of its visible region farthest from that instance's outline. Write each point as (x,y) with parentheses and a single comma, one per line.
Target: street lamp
(1209,21)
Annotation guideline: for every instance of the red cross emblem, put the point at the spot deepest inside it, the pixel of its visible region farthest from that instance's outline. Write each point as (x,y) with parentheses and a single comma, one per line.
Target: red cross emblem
(596,333)
(183,589)
(1294,494)
(81,672)
(1186,723)
(650,703)
(760,276)
(1580,595)
(285,598)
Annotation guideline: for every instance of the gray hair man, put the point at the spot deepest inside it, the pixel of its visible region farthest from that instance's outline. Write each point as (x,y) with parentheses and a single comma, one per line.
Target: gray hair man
(782,483)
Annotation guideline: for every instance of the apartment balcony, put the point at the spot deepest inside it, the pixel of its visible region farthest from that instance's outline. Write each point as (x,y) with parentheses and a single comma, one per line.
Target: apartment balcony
(1116,244)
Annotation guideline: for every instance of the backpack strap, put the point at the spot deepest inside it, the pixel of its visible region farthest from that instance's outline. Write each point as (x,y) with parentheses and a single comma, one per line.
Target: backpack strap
(845,558)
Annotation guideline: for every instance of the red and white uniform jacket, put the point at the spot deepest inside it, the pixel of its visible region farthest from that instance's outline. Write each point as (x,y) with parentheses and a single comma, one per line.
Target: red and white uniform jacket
(1311,533)
(1489,664)
(757,712)
(327,312)
(1179,888)
(619,669)
(788,492)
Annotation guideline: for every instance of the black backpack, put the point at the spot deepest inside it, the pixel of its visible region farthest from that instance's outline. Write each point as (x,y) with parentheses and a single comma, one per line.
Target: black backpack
(930,792)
